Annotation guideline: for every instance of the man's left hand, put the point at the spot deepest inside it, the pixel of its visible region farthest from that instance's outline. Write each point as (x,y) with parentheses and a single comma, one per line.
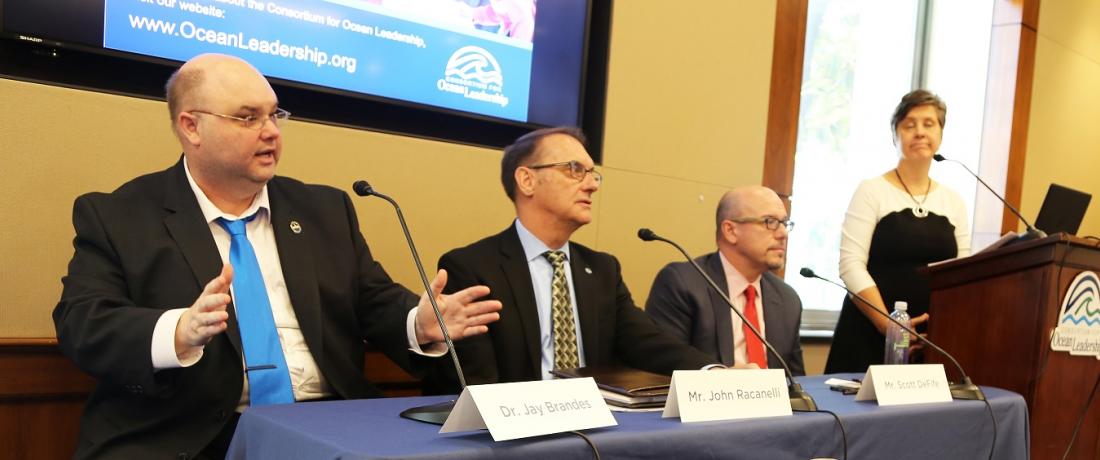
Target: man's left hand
(463,313)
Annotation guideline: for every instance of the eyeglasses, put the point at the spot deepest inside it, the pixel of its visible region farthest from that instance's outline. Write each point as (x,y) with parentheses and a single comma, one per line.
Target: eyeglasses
(770,223)
(253,121)
(575,169)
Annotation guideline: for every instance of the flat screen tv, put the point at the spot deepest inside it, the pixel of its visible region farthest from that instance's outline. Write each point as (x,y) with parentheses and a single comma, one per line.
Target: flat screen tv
(471,71)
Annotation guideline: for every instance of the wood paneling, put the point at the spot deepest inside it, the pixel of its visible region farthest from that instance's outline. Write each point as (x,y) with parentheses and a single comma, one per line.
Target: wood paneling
(39,428)
(785,96)
(1024,12)
(389,377)
(1007,111)
(36,369)
(995,312)
(42,394)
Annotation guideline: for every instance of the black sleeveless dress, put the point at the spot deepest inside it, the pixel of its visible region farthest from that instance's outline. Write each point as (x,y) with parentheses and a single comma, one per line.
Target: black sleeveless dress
(901,243)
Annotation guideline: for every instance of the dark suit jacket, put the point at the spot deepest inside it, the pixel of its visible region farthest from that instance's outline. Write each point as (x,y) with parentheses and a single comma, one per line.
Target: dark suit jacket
(146,248)
(684,304)
(613,329)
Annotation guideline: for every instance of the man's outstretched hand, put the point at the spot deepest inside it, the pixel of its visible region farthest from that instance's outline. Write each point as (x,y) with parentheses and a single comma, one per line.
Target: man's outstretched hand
(463,313)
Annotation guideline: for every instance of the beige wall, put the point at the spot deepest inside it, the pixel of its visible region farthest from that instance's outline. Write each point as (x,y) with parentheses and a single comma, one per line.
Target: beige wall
(676,138)
(686,116)
(1063,138)
(686,120)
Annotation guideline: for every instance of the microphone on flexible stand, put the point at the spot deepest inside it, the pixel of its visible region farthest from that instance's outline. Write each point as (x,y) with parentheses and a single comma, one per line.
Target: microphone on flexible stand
(435,413)
(1032,232)
(800,399)
(962,390)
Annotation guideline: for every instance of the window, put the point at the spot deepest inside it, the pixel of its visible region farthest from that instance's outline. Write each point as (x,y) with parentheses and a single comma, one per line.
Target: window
(861,56)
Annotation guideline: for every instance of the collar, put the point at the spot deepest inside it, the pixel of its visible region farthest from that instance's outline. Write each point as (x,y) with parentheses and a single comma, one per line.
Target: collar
(735,281)
(533,248)
(211,213)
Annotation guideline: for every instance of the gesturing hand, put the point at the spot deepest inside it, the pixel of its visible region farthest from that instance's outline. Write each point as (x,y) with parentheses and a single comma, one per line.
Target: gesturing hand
(206,317)
(463,314)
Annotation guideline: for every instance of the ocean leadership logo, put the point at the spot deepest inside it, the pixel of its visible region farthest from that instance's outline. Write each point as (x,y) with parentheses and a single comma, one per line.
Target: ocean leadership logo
(475,74)
(1078,329)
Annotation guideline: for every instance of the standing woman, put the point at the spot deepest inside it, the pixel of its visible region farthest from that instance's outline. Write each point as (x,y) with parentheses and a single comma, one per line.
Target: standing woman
(896,223)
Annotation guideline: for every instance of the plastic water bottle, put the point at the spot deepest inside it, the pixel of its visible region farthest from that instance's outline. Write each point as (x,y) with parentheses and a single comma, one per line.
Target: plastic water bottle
(897,338)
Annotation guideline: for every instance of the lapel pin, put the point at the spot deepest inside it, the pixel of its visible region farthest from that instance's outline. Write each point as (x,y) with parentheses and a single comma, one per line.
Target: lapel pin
(588,270)
(295,226)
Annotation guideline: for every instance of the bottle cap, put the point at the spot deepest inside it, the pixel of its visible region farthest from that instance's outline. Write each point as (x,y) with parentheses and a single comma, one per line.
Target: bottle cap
(901,305)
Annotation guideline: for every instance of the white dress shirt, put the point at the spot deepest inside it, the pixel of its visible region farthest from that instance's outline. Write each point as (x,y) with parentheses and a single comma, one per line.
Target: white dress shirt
(306,379)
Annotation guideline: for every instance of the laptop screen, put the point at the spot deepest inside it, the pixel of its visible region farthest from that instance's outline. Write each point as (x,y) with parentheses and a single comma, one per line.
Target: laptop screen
(1063,210)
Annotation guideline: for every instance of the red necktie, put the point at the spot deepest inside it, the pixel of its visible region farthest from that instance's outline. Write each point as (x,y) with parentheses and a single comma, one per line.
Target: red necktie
(754,348)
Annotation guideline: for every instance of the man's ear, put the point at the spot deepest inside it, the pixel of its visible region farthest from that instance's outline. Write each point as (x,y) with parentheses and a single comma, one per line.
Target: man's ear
(187,125)
(729,231)
(525,181)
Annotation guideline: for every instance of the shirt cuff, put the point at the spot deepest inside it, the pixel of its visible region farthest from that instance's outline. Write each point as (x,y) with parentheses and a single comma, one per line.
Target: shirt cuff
(433,350)
(163,348)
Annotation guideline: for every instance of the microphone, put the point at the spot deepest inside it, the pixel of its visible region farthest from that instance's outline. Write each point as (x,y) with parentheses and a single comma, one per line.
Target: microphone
(800,399)
(435,413)
(962,390)
(363,188)
(1032,232)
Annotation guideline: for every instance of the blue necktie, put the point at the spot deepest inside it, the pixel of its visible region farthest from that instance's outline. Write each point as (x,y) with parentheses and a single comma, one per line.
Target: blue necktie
(268,377)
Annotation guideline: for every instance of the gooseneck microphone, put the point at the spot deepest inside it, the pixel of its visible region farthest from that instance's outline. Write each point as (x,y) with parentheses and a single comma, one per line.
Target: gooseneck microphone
(962,390)
(1032,232)
(436,413)
(800,399)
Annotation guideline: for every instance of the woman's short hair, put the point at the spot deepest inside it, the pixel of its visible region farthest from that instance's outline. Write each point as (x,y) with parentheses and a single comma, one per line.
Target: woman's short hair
(914,99)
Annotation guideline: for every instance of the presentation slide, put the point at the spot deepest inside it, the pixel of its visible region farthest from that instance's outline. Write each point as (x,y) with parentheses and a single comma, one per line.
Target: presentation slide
(468,55)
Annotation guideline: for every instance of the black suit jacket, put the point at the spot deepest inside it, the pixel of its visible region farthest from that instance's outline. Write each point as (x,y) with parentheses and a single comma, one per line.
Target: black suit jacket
(613,329)
(146,247)
(684,304)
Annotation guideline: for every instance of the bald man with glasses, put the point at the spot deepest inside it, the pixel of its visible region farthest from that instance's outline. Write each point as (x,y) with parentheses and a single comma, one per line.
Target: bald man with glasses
(215,285)
(751,233)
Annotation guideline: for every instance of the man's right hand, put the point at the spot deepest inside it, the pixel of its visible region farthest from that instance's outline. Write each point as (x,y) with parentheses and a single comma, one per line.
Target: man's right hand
(206,317)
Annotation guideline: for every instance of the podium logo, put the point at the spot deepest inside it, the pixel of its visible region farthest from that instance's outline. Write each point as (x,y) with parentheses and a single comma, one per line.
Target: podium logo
(1078,328)
(474,73)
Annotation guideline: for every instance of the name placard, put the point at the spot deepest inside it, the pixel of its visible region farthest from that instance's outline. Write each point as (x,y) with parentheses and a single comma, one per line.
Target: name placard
(525,409)
(900,384)
(703,396)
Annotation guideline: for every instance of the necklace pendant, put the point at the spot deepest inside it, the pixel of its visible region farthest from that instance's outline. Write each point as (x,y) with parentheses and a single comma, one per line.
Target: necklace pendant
(919,210)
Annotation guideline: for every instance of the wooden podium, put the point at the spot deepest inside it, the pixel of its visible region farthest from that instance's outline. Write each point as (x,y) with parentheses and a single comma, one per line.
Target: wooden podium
(996,311)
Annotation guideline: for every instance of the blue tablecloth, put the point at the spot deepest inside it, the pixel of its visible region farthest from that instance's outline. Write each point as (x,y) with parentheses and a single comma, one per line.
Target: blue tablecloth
(372,429)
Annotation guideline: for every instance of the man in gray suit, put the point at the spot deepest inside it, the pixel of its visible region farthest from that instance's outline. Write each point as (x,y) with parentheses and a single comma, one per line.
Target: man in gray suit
(752,227)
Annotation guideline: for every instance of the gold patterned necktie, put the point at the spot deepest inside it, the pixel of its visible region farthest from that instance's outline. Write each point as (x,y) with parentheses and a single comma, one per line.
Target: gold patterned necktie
(564,328)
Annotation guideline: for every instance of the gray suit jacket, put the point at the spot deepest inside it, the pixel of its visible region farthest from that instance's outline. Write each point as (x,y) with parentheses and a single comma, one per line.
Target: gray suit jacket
(684,304)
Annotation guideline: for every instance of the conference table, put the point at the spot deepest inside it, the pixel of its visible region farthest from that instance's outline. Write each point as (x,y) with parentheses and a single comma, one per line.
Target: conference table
(371,428)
